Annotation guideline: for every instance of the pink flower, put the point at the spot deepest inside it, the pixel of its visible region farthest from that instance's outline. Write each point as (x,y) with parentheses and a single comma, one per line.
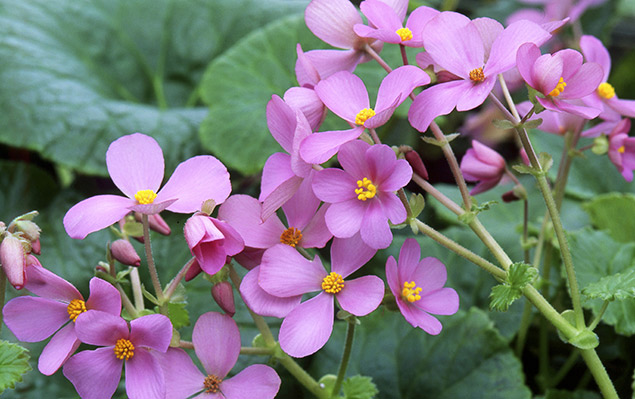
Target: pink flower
(34,319)
(286,273)
(96,374)
(13,260)
(135,164)
(622,149)
(555,122)
(481,163)
(211,241)
(362,196)
(475,52)
(418,288)
(560,77)
(216,342)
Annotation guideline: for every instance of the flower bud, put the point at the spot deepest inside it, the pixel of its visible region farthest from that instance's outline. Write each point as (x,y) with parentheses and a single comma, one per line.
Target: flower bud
(416,163)
(193,271)
(30,230)
(125,253)
(13,260)
(156,223)
(484,165)
(35,246)
(223,294)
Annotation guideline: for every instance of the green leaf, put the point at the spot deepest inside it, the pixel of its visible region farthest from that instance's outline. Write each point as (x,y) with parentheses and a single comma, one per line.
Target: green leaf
(546,161)
(133,228)
(14,362)
(520,274)
(503,124)
(503,296)
(577,394)
(618,287)
(532,124)
(607,213)
(178,315)
(359,387)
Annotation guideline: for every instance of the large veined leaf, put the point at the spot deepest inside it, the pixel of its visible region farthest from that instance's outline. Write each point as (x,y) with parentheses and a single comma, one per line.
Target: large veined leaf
(608,212)
(87,73)
(14,361)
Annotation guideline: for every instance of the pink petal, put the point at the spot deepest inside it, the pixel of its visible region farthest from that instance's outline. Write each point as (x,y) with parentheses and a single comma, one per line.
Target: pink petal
(409,256)
(58,350)
(393,208)
(95,327)
(104,297)
(320,147)
(333,21)
(381,161)
(281,122)
(299,341)
(95,213)
(135,162)
(382,116)
(489,29)
(33,319)
(399,177)
(344,94)
(243,212)
(399,84)
(95,374)
(362,295)
(153,208)
(316,234)
(384,35)
(328,62)
(279,196)
(547,72)
(349,254)
(216,342)
(429,274)
(375,230)
(417,22)
(444,301)
(302,206)
(483,186)
(277,170)
(47,284)
(594,51)
(392,277)
(182,378)
(584,82)
(256,381)
(144,376)
(153,331)
(334,185)
(284,272)
(307,101)
(194,181)
(475,94)
(580,110)
(419,318)
(344,219)
(526,57)
(505,47)
(263,303)
(624,107)
(399,7)
(305,72)
(435,101)
(352,157)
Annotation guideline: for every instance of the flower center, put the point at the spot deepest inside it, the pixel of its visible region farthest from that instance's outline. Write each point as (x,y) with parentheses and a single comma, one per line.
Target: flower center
(410,292)
(124,349)
(366,189)
(333,283)
(605,90)
(476,75)
(291,236)
(364,115)
(404,33)
(621,150)
(212,383)
(145,196)
(75,308)
(559,88)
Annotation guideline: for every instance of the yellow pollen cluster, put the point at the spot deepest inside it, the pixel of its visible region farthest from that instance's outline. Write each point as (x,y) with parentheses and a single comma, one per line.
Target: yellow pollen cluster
(291,236)
(621,150)
(477,75)
(410,291)
(559,88)
(605,90)
(364,115)
(145,196)
(366,189)
(333,283)
(124,349)
(404,33)
(212,383)
(75,308)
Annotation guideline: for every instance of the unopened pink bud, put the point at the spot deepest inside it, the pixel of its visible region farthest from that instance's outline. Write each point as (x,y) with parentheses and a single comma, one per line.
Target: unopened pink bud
(35,246)
(156,223)
(414,159)
(193,271)
(125,253)
(223,294)
(13,260)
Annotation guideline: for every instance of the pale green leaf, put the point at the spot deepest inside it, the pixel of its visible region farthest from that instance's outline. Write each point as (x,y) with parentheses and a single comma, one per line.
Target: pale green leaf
(14,362)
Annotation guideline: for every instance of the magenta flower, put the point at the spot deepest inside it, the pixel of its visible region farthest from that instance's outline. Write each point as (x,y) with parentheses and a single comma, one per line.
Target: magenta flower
(622,149)
(555,122)
(560,77)
(135,164)
(286,273)
(362,196)
(216,342)
(346,96)
(33,319)
(475,52)
(211,241)
(481,163)
(418,288)
(96,374)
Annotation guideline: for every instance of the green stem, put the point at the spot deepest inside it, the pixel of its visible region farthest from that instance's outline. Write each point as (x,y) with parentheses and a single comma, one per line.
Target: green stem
(348,347)
(404,55)
(598,318)
(125,301)
(373,134)
(248,350)
(172,286)
(373,54)
(600,375)
(135,283)
(154,276)
(438,195)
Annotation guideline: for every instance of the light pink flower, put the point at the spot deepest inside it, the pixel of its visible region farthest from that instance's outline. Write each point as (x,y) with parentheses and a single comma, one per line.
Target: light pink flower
(622,149)
(135,164)
(96,373)
(33,319)
(481,163)
(418,288)
(216,342)
(13,260)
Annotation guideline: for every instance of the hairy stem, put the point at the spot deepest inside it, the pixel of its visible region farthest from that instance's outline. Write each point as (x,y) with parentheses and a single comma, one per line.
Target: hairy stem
(154,276)
(348,347)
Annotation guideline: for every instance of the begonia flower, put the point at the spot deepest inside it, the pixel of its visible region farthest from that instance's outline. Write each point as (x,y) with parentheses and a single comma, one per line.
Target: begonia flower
(481,163)
(96,373)
(622,149)
(216,342)
(475,52)
(286,273)
(135,164)
(560,77)
(362,195)
(554,10)
(555,122)
(345,95)
(54,312)
(418,288)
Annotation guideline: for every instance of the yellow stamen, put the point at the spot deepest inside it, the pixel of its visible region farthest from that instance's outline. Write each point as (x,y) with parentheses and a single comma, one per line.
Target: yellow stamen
(75,308)
(333,283)
(477,75)
(124,349)
(291,236)
(364,115)
(366,189)
(212,383)
(605,90)
(405,34)
(559,88)
(621,150)
(410,292)
(145,196)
